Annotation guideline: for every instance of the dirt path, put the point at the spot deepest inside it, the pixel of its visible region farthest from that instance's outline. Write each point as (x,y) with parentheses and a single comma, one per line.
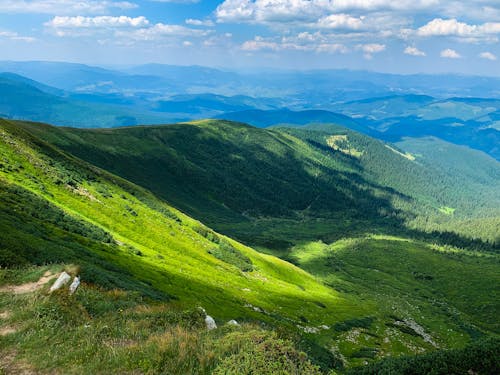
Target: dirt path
(28,287)
(9,364)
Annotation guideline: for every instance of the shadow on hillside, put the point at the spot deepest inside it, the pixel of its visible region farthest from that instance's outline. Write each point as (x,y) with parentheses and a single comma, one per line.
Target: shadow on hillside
(252,184)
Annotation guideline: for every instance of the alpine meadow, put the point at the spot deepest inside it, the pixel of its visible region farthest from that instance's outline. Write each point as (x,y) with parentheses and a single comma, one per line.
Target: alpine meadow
(250,187)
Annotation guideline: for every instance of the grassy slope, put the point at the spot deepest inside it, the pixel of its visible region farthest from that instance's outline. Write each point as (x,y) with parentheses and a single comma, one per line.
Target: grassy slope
(268,187)
(369,283)
(173,257)
(476,168)
(441,289)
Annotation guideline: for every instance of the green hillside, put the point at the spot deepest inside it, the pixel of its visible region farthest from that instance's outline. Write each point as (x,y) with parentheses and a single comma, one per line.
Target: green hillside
(101,204)
(281,186)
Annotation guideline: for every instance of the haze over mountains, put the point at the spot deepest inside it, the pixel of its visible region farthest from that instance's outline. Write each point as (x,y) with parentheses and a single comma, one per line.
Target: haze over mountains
(389,107)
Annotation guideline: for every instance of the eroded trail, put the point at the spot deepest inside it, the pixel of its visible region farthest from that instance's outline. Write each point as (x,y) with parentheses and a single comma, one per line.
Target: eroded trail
(28,287)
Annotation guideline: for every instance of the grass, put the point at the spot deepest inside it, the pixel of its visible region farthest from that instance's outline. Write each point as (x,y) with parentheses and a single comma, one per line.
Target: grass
(361,298)
(98,331)
(443,290)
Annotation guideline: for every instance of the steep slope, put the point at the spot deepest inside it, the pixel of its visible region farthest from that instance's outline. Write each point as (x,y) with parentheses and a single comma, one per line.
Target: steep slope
(56,208)
(75,212)
(281,185)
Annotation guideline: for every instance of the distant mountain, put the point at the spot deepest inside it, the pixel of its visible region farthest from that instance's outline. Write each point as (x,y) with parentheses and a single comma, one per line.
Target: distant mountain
(262,119)
(207,105)
(464,121)
(24,99)
(84,78)
(301,89)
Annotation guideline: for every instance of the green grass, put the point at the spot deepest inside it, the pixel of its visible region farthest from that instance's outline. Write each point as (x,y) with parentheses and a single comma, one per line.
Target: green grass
(238,179)
(443,290)
(117,332)
(360,298)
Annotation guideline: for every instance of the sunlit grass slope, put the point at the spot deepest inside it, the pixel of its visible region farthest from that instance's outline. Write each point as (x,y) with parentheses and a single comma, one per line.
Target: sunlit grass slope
(156,244)
(426,296)
(264,185)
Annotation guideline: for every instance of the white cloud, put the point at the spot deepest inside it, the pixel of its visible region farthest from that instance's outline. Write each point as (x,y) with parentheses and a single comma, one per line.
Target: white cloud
(259,44)
(63,7)
(454,28)
(370,49)
(450,54)
(488,56)
(196,22)
(120,30)
(11,35)
(264,11)
(96,22)
(441,27)
(302,42)
(160,31)
(176,1)
(340,21)
(413,51)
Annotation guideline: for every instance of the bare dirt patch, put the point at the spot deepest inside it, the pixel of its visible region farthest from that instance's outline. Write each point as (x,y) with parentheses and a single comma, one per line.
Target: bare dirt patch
(28,287)
(9,364)
(7,330)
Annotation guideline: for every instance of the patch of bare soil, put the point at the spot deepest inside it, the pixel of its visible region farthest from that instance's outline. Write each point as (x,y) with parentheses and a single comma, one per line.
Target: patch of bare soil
(28,287)
(9,364)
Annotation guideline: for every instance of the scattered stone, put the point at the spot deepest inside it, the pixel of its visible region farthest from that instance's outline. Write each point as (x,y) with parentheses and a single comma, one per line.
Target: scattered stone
(210,322)
(62,280)
(233,322)
(308,329)
(74,285)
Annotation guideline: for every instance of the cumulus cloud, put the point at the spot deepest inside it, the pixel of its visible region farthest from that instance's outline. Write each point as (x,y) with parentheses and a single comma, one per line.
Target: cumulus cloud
(63,7)
(120,29)
(340,21)
(96,22)
(264,11)
(370,49)
(450,54)
(196,22)
(488,56)
(413,51)
(455,28)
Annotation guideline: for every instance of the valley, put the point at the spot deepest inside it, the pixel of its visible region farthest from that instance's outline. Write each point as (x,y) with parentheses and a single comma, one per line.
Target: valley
(356,258)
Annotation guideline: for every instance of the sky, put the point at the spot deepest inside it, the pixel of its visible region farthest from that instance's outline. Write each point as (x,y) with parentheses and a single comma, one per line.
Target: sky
(398,36)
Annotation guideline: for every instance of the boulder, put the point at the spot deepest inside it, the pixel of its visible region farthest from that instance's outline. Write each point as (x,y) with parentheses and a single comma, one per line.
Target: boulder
(210,322)
(74,285)
(62,280)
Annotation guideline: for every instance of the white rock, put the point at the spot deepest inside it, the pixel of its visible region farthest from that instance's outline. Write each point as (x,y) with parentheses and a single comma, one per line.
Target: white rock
(233,322)
(74,285)
(62,280)
(210,322)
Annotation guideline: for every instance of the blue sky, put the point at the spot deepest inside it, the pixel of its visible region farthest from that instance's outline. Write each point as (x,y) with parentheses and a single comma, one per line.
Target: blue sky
(400,36)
